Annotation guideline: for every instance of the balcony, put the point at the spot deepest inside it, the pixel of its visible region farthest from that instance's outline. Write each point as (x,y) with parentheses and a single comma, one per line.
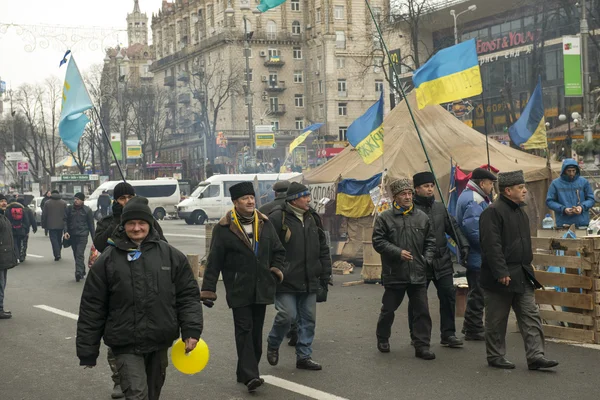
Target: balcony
(275,87)
(183,76)
(169,81)
(342,93)
(185,98)
(274,61)
(279,110)
(146,76)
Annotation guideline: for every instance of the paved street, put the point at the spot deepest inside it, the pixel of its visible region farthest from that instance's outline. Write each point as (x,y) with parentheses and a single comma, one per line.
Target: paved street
(38,361)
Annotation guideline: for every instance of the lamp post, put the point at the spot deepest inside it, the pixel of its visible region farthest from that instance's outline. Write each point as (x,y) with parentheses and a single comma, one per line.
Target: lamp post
(472,7)
(120,60)
(587,121)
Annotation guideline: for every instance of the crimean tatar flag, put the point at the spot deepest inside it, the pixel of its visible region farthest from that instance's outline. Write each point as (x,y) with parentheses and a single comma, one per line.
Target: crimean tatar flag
(365,134)
(530,128)
(75,101)
(451,74)
(266,5)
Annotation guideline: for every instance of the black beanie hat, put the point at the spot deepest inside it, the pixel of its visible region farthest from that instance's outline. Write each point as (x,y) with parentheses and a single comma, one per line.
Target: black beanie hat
(241,189)
(80,196)
(137,208)
(482,173)
(422,178)
(295,191)
(2,196)
(54,192)
(122,189)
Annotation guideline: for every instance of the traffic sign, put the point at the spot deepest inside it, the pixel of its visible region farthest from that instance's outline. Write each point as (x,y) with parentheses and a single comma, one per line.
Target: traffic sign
(22,166)
(14,156)
(264,128)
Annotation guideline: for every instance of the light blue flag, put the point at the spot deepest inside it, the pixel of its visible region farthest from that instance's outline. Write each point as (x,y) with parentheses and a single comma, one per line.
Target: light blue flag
(75,101)
(266,5)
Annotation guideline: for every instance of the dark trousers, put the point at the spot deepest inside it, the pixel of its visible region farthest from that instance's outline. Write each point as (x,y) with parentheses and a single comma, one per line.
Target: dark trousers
(446,293)
(18,240)
(24,246)
(143,375)
(56,236)
(78,244)
(112,362)
(248,322)
(474,311)
(392,298)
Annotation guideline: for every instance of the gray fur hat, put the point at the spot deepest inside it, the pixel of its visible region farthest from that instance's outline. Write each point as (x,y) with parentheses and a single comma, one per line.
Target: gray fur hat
(400,185)
(512,178)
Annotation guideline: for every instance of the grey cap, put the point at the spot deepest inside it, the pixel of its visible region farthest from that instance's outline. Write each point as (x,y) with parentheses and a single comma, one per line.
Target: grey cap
(512,178)
(401,185)
(281,186)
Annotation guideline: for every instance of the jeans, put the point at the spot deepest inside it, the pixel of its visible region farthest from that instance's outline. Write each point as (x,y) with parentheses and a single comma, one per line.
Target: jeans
(248,322)
(300,307)
(56,241)
(3,274)
(446,293)
(143,375)
(18,240)
(474,311)
(78,244)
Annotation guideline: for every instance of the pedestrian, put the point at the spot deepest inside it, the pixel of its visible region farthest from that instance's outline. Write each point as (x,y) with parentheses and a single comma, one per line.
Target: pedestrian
(472,201)
(246,250)
(308,268)
(80,224)
(280,188)
(507,277)
(405,240)
(47,196)
(8,258)
(570,196)
(31,225)
(441,271)
(140,296)
(53,219)
(103,203)
(19,220)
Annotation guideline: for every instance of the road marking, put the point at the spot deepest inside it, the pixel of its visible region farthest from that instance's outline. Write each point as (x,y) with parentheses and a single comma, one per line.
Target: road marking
(586,345)
(300,389)
(34,256)
(185,235)
(57,311)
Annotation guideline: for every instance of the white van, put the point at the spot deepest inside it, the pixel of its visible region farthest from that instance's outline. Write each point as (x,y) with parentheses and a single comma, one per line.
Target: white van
(162,194)
(211,199)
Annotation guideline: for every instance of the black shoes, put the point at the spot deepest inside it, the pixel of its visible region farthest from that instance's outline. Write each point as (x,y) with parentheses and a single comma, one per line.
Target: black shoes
(293,335)
(452,342)
(254,384)
(501,363)
(5,315)
(79,277)
(56,258)
(117,392)
(478,336)
(383,346)
(308,364)
(425,354)
(542,363)
(272,356)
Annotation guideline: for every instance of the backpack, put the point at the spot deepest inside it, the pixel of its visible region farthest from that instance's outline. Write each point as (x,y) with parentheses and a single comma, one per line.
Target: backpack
(16,214)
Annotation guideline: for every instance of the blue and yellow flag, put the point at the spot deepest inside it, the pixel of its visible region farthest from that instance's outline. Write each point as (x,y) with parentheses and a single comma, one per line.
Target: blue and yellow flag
(366,133)
(451,74)
(75,101)
(530,128)
(353,197)
(307,131)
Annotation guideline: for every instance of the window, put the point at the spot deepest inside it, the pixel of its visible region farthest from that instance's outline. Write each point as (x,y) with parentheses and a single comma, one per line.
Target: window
(341,62)
(295,28)
(150,191)
(273,103)
(342,108)
(298,76)
(378,85)
(271,30)
(318,18)
(211,191)
(299,123)
(321,110)
(342,90)
(275,124)
(273,53)
(321,87)
(273,79)
(319,63)
(377,64)
(299,100)
(338,12)
(297,53)
(340,40)
(551,68)
(249,76)
(295,5)
(342,130)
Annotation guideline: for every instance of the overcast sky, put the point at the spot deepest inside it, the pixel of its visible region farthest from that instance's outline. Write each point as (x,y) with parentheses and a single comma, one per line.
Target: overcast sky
(18,66)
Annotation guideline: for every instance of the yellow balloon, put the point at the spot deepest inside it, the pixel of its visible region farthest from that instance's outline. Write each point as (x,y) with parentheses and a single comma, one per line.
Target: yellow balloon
(192,362)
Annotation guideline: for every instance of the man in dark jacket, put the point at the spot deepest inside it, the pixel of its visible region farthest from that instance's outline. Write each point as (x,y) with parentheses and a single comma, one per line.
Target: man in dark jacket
(308,267)
(441,271)
(507,277)
(8,258)
(19,220)
(44,200)
(404,238)
(53,219)
(245,249)
(31,225)
(80,224)
(103,203)
(280,188)
(140,296)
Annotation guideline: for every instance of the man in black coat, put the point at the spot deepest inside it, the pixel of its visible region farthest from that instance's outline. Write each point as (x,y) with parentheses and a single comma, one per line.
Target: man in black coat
(80,224)
(441,271)
(507,277)
(245,249)
(53,219)
(308,268)
(44,200)
(140,296)
(8,258)
(280,188)
(31,224)
(19,219)
(404,238)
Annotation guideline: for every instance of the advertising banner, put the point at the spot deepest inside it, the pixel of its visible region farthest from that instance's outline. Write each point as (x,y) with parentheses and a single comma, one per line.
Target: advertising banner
(572,66)
(115,142)
(265,141)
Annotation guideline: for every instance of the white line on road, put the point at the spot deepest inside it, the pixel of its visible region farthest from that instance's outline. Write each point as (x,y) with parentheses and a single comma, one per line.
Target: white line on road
(300,389)
(586,345)
(57,311)
(185,235)
(34,255)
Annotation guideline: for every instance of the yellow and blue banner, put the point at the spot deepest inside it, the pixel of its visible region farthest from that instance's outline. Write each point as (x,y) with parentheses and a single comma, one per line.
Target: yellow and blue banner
(530,128)
(365,134)
(75,101)
(451,74)
(354,198)
(307,131)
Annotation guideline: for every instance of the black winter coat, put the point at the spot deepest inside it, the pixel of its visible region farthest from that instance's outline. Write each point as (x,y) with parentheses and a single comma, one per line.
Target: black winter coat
(248,278)
(270,207)
(394,232)
(80,221)
(138,306)
(20,227)
(32,223)
(8,258)
(505,247)
(308,261)
(441,225)
(53,213)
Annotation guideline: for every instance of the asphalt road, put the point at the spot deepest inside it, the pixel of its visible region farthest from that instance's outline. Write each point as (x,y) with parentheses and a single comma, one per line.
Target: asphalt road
(38,361)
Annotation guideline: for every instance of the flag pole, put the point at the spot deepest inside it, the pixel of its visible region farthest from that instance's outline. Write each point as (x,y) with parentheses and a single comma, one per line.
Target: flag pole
(109,144)
(485,130)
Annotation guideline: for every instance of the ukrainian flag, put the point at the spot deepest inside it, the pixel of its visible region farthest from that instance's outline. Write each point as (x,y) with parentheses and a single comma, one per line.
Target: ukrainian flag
(530,128)
(451,74)
(307,131)
(75,101)
(366,133)
(353,197)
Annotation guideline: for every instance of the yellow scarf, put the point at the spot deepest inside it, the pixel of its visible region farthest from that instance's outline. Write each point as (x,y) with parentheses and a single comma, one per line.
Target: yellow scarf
(402,210)
(236,220)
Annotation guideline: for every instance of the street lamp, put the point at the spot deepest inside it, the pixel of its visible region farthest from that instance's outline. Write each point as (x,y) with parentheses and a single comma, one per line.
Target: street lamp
(472,7)
(120,59)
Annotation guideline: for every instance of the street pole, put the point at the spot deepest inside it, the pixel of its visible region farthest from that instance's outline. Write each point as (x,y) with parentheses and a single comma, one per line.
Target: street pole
(587,109)
(455,29)
(123,139)
(249,95)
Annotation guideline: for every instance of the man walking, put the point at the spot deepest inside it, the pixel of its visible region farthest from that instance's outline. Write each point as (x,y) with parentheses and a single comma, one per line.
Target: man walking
(19,220)
(308,268)
(44,200)
(8,258)
(140,296)
(80,224)
(507,277)
(404,238)
(103,203)
(441,271)
(53,219)
(245,249)
(472,201)
(31,224)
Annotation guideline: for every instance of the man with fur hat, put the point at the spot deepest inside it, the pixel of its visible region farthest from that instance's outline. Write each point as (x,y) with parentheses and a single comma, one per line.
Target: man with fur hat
(245,249)
(404,238)
(80,224)
(140,296)
(472,201)
(308,270)
(53,219)
(441,271)
(507,276)
(8,257)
